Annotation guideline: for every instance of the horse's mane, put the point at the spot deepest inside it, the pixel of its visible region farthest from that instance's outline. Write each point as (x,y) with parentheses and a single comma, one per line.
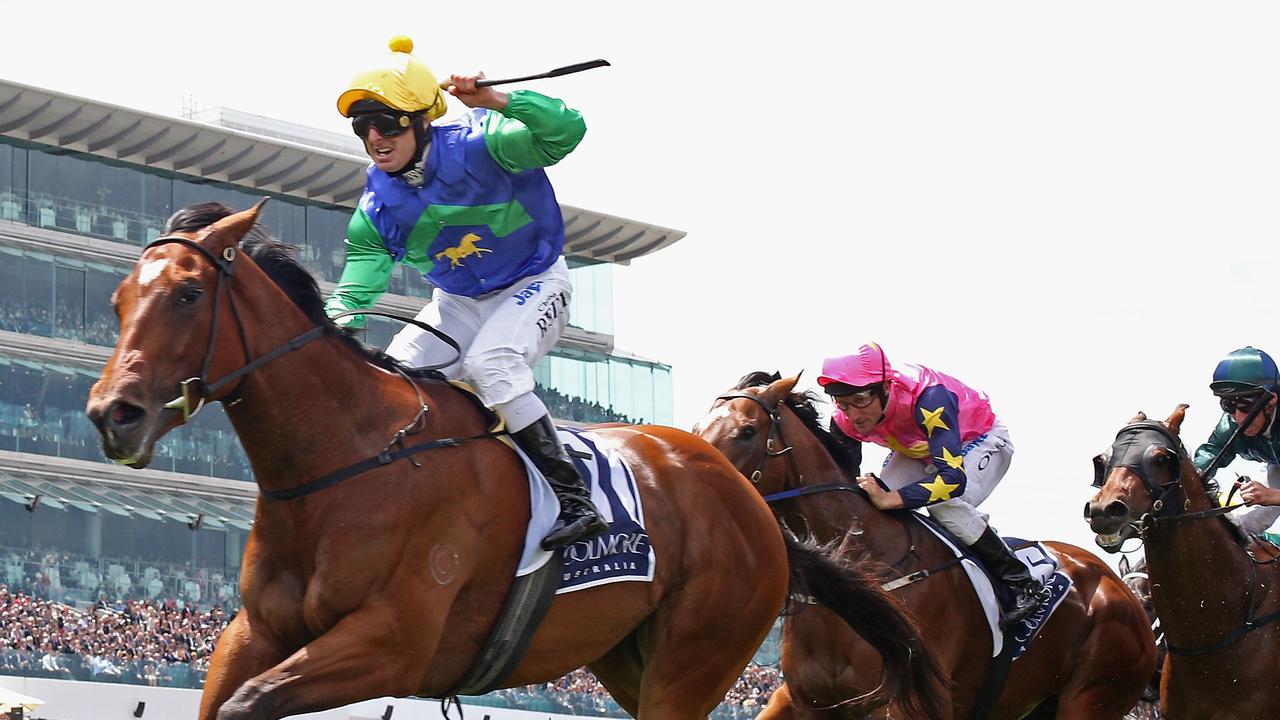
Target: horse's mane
(805,406)
(279,261)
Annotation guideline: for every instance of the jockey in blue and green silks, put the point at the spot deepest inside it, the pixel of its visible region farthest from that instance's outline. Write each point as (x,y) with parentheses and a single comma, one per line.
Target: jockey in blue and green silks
(468,204)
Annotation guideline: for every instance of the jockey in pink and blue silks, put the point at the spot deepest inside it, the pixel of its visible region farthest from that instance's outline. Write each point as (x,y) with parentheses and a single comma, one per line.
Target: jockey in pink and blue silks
(949,450)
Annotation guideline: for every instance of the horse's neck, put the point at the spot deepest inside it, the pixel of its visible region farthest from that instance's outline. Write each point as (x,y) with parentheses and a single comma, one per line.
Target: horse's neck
(839,515)
(313,409)
(1194,566)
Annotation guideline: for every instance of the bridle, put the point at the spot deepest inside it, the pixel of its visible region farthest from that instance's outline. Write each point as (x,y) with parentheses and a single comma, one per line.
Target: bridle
(1136,448)
(796,488)
(774,413)
(197,390)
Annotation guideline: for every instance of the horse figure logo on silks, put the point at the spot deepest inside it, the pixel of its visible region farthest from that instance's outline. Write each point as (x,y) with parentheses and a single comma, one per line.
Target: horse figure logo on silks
(465,248)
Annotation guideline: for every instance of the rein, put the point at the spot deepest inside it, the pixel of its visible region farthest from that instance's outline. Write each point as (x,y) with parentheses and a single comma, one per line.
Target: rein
(1250,624)
(196,390)
(775,425)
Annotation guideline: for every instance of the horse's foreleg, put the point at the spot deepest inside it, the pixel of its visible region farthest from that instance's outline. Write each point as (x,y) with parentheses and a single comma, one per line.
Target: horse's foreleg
(369,653)
(240,654)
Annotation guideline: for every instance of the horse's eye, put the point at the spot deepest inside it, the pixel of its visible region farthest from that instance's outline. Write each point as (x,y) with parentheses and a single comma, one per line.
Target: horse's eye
(189,295)
(747,433)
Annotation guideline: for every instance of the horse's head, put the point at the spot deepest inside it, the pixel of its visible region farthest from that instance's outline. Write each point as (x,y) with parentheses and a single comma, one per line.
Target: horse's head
(1145,472)
(746,425)
(1140,583)
(171,339)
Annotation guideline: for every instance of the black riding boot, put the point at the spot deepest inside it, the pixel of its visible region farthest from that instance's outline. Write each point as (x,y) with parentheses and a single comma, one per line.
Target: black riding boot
(578,518)
(1000,559)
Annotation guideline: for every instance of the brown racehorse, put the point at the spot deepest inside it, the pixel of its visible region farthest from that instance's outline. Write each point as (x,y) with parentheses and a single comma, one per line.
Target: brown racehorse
(1090,661)
(1214,590)
(388,583)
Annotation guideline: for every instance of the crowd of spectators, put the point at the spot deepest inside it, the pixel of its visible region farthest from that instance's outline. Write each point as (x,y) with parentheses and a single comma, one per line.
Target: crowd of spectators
(580,693)
(137,642)
(82,580)
(167,640)
(68,322)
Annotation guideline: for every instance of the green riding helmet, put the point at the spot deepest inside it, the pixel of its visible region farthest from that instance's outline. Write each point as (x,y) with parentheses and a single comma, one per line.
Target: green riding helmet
(1245,371)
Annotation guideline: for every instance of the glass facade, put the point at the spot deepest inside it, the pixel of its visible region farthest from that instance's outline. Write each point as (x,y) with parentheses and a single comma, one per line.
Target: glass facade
(42,411)
(590,387)
(91,196)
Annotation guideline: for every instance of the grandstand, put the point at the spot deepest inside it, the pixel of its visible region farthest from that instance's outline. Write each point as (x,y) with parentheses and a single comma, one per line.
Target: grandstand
(115,583)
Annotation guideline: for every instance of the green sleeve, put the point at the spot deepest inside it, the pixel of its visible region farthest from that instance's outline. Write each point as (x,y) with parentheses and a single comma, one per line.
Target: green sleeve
(533,131)
(1217,440)
(366,274)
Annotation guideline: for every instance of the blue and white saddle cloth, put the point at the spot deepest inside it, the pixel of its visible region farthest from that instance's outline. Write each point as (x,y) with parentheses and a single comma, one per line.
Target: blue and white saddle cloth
(1039,561)
(623,553)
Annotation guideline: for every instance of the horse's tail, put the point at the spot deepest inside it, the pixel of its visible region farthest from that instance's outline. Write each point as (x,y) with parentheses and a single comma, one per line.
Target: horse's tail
(911,676)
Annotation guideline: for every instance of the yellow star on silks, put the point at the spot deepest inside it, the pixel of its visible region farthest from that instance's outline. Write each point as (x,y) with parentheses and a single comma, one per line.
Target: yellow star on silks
(955,462)
(939,489)
(932,420)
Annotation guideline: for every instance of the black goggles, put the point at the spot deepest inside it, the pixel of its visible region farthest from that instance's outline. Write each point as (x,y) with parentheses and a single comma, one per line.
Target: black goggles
(1239,403)
(388,124)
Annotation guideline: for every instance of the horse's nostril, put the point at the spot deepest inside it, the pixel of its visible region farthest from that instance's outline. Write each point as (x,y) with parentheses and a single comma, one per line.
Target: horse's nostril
(1117,509)
(124,414)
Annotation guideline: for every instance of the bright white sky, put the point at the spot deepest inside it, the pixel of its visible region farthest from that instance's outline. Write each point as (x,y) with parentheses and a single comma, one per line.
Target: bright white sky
(1070,206)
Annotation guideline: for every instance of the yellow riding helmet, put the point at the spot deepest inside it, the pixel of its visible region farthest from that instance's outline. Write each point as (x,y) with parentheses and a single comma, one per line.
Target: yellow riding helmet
(405,83)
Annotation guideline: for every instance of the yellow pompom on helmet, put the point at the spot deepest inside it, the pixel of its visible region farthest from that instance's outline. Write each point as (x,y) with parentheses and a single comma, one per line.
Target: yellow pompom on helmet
(401,82)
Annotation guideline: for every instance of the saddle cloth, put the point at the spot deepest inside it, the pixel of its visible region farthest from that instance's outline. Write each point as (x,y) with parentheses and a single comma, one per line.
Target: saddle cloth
(621,554)
(1042,565)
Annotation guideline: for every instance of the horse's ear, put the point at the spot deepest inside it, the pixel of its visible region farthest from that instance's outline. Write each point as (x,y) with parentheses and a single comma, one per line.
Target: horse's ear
(1175,420)
(1138,418)
(780,389)
(1124,565)
(229,230)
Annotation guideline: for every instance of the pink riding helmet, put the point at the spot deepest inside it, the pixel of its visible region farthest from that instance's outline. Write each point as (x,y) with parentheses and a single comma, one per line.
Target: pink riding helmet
(868,367)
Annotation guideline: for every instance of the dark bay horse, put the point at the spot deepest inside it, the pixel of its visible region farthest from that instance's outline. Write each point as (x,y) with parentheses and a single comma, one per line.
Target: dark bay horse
(1215,590)
(389,582)
(1090,661)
